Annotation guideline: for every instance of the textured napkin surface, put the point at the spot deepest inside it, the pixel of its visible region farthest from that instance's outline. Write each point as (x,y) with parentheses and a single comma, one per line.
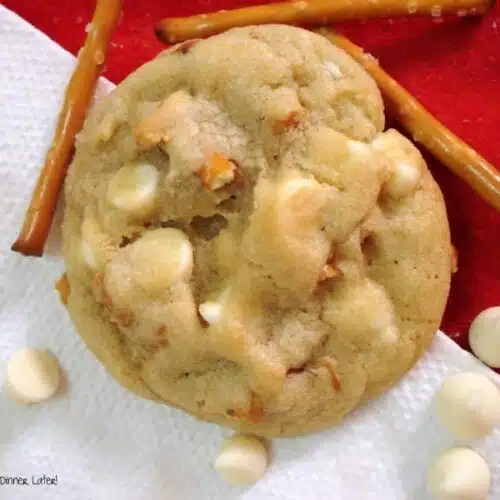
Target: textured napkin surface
(104,443)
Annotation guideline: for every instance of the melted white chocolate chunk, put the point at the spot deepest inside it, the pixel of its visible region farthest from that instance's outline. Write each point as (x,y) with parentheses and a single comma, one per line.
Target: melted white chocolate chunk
(459,474)
(133,188)
(160,258)
(33,375)
(241,459)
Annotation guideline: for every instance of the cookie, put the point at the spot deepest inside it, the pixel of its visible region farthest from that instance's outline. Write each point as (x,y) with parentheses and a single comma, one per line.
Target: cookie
(245,242)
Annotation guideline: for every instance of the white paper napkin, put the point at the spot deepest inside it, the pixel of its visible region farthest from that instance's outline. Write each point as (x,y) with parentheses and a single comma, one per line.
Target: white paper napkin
(104,443)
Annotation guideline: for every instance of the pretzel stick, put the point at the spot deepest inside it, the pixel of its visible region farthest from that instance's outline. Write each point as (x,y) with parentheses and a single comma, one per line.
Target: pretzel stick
(426,130)
(309,13)
(79,92)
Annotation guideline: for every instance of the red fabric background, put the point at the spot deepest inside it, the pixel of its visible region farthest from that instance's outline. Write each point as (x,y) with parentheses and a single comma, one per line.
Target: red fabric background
(452,66)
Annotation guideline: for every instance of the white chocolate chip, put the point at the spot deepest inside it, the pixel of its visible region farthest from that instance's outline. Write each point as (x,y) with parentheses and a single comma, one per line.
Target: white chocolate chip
(133,188)
(211,310)
(459,474)
(468,405)
(33,375)
(160,258)
(88,255)
(403,163)
(404,179)
(241,460)
(484,336)
(332,69)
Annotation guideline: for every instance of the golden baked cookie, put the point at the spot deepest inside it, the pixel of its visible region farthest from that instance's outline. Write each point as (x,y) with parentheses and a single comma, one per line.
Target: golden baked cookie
(244,242)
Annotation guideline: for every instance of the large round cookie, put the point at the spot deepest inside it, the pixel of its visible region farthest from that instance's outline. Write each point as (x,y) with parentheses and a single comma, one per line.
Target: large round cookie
(243,240)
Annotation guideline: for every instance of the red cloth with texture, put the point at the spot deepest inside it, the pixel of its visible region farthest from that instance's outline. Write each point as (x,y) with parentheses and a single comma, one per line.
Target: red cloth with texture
(452,66)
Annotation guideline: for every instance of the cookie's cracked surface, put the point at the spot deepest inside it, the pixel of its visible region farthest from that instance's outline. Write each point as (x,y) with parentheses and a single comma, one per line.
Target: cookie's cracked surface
(244,241)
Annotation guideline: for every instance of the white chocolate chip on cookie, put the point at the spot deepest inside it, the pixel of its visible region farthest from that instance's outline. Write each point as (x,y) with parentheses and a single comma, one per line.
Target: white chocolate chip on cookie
(332,69)
(211,310)
(403,163)
(468,405)
(459,474)
(404,179)
(241,459)
(88,255)
(484,336)
(160,258)
(33,375)
(133,188)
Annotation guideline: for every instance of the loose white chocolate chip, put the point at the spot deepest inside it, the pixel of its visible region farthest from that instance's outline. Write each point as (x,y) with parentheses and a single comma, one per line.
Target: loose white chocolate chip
(160,258)
(459,474)
(33,375)
(484,336)
(468,405)
(404,179)
(133,188)
(241,459)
